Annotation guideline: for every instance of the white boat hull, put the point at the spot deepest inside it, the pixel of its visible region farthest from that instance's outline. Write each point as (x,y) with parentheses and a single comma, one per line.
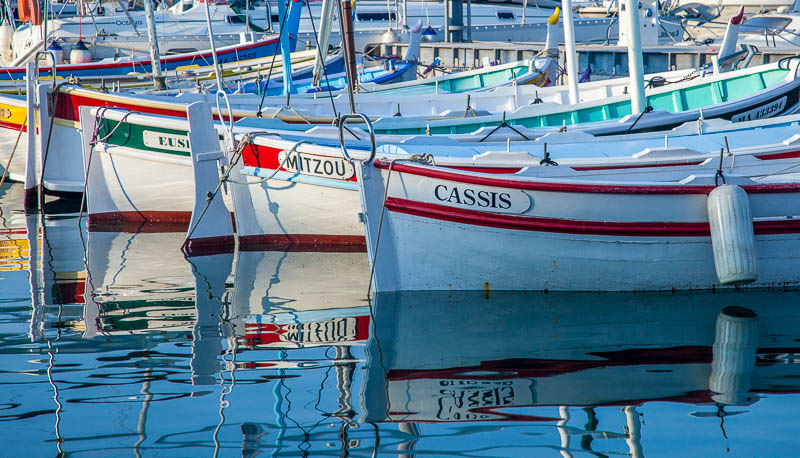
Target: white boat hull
(564,236)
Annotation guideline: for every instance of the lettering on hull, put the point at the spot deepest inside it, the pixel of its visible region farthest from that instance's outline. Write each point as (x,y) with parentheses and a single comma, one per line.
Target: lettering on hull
(316,165)
(160,140)
(473,197)
(765,111)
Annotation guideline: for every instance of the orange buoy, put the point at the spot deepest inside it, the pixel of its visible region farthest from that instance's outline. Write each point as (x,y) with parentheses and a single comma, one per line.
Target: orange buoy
(30,11)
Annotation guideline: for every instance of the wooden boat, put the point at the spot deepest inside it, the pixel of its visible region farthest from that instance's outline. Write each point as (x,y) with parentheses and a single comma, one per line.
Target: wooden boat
(127,168)
(62,148)
(111,67)
(61,141)
(577,234)
(752,93)
(371,21)
(317,180)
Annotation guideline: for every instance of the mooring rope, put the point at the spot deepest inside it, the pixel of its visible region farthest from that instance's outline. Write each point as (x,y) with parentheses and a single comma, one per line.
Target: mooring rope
(425,158)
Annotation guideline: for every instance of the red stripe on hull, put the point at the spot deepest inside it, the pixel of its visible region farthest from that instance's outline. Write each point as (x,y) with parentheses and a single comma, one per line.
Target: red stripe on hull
(266,157)
(625,167)
(205,55)
(788,155)
(68,107)
(576,187)
(495,170)
(304,242)
(13,126)
(565,226)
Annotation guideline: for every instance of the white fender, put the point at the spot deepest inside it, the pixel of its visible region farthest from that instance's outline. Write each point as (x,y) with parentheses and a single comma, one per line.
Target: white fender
(58,52)
(80,54)
(732,238)
(6,36)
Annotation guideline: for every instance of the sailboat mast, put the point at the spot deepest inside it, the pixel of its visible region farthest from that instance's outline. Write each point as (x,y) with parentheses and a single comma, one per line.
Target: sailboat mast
(155,56)
(213,48)
(635,65)
(572,54)
(346,32)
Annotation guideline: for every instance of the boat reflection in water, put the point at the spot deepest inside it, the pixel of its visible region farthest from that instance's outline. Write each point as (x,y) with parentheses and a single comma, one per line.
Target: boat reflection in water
(256,352)
(466,357)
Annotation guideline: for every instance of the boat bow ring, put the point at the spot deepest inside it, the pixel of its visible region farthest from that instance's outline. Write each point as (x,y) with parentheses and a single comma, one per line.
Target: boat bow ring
(732,238)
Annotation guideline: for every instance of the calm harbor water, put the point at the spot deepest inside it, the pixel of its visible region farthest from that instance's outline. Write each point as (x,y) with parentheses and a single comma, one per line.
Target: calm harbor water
(115,344)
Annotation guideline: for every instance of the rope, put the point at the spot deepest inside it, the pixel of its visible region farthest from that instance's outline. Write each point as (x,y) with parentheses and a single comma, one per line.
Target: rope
(235,157)
(502,124)
(8,164)
(425,158)
(98,121)
(274,172)
(56,92)
(647,109)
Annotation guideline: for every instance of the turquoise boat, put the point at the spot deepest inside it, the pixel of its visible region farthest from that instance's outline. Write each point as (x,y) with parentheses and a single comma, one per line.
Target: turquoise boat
(754,93)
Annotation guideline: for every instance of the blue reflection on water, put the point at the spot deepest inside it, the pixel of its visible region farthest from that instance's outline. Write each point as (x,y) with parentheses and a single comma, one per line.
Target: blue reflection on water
(114,343)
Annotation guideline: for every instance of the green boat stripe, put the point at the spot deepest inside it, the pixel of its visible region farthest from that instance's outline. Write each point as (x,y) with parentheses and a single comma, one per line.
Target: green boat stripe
(145,138)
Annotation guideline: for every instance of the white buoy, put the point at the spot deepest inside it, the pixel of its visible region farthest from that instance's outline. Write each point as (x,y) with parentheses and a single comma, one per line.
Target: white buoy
(58,54)
(390,36)
(732,238)
(6,36)
(80,54)
(735,345)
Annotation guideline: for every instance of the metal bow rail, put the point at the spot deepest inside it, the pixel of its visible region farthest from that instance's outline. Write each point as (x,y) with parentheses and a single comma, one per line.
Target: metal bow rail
(342,121)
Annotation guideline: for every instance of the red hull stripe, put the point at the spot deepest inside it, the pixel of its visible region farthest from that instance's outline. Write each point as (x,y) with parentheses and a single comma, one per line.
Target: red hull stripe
(788,155)
(68,106)
(440,174)
(495,170)
(304,243)
(14,231)
(266,157)
(165,60)
(640,166)
(566,226)
(13,126)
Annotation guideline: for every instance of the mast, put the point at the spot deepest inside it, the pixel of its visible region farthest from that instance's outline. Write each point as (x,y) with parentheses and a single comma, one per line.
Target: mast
(155,56)
(213,48)
(346,32)
(572,56)
(325,27)
(635,65)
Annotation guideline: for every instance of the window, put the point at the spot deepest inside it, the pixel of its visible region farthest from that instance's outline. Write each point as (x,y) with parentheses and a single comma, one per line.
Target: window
(505,15)
(374,16)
